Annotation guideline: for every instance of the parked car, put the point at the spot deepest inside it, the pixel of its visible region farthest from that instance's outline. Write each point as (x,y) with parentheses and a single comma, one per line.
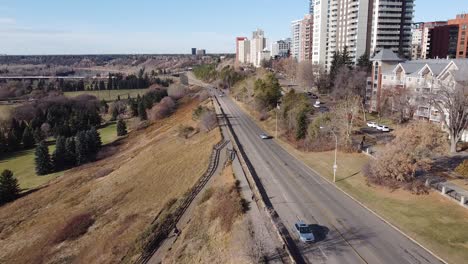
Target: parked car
(316,105)
(372,124)
(304,231)
(383,128)
(318,102)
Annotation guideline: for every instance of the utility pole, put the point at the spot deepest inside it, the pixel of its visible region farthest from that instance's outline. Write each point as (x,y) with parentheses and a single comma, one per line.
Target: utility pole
(335,165)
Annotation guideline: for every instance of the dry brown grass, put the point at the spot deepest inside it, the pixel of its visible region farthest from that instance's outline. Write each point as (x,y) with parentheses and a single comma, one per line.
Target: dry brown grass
(124,193)
(217,232)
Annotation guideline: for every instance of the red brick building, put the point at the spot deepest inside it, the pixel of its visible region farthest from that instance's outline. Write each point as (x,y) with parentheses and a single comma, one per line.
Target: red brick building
(462,45)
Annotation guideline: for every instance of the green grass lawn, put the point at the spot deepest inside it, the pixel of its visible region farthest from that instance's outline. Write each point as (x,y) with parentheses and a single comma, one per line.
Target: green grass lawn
(433,220)
(375,118)
(109,95)
(22,162)
(5,111)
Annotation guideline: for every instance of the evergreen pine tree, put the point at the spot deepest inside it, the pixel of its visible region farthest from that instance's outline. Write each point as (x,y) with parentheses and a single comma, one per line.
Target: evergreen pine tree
(95,140)
(12,141)
(70,152)
(121,128)
(81,148)
(42,159)
(38,135)
(346,59)
(142,111)
(3,142)
(9,188)
(115,114)
(364,62)
(301,129)
(60,153)
(28,138)
(109,82)
(17,129)
(335,65)
(133,106)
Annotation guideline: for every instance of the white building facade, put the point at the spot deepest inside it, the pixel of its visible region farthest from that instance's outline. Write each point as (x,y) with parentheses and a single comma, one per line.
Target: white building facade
(244,51)
(296,39)
(257,46)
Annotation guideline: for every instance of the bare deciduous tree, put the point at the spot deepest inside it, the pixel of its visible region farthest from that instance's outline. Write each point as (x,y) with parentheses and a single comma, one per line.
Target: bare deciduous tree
(208,120)
(411,150)
(346,116)
(290,68)
(452,104)
(305,74)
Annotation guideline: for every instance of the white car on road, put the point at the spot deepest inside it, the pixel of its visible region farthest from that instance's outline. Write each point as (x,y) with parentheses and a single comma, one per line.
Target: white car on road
(372,124)
(264,136)
(383,128)
(304,231)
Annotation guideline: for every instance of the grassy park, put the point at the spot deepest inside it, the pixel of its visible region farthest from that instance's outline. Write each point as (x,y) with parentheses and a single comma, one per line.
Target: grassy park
(22,162)
(109,95)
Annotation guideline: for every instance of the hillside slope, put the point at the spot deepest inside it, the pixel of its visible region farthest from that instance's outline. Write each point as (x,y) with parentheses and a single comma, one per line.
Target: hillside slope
(95,213)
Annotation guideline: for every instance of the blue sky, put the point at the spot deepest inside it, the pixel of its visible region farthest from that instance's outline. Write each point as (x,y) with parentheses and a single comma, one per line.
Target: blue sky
(157,26)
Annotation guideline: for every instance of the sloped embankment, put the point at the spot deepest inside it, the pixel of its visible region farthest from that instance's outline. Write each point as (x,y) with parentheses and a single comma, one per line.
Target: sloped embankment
(95,213)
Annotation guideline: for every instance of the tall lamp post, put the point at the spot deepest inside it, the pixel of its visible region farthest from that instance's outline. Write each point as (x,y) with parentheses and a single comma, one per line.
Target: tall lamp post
(335,166)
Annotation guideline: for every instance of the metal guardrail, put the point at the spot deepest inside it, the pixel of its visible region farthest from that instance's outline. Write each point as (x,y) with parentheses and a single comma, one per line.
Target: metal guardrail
(439,186)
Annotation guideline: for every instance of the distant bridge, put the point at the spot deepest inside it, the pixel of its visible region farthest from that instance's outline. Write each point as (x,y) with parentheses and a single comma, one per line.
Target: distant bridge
(49,77)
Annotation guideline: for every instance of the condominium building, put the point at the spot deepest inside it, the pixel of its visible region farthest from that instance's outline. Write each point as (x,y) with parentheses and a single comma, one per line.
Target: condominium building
(238,40)
(443,42)
(296,39)
(391,26)
(243,49)
(462,22)
(419,79)
(281,48)
(363,26)
(416,40)
(339,24)
(426,37)
(306,38)
(257,46)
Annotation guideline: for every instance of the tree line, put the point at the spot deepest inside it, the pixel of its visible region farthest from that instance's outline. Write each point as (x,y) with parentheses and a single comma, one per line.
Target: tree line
(69,152)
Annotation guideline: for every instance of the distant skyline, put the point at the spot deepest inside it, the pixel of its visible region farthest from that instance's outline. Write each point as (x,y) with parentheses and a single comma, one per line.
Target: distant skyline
(156,26)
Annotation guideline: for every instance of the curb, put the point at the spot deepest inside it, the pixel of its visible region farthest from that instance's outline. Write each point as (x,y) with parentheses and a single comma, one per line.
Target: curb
(364,206)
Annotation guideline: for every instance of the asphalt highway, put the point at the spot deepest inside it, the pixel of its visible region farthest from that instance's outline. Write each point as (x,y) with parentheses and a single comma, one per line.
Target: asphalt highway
(346,232)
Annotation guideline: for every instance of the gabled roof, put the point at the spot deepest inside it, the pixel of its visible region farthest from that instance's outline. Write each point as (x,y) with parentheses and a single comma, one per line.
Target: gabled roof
(409,67)
(434,66)
(386,55)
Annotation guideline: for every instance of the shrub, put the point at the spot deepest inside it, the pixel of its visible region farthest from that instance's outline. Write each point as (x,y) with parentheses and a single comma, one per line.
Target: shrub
(208,120)
(75,227)
(185,131)
(203,95)
(198,112)
(462,169)
(121,128)
(162,110)
(263,116)
(412,150)
(176,92)
(228,207)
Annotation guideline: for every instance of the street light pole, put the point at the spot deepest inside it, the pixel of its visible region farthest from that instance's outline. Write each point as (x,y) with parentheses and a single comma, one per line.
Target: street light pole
(335,166)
